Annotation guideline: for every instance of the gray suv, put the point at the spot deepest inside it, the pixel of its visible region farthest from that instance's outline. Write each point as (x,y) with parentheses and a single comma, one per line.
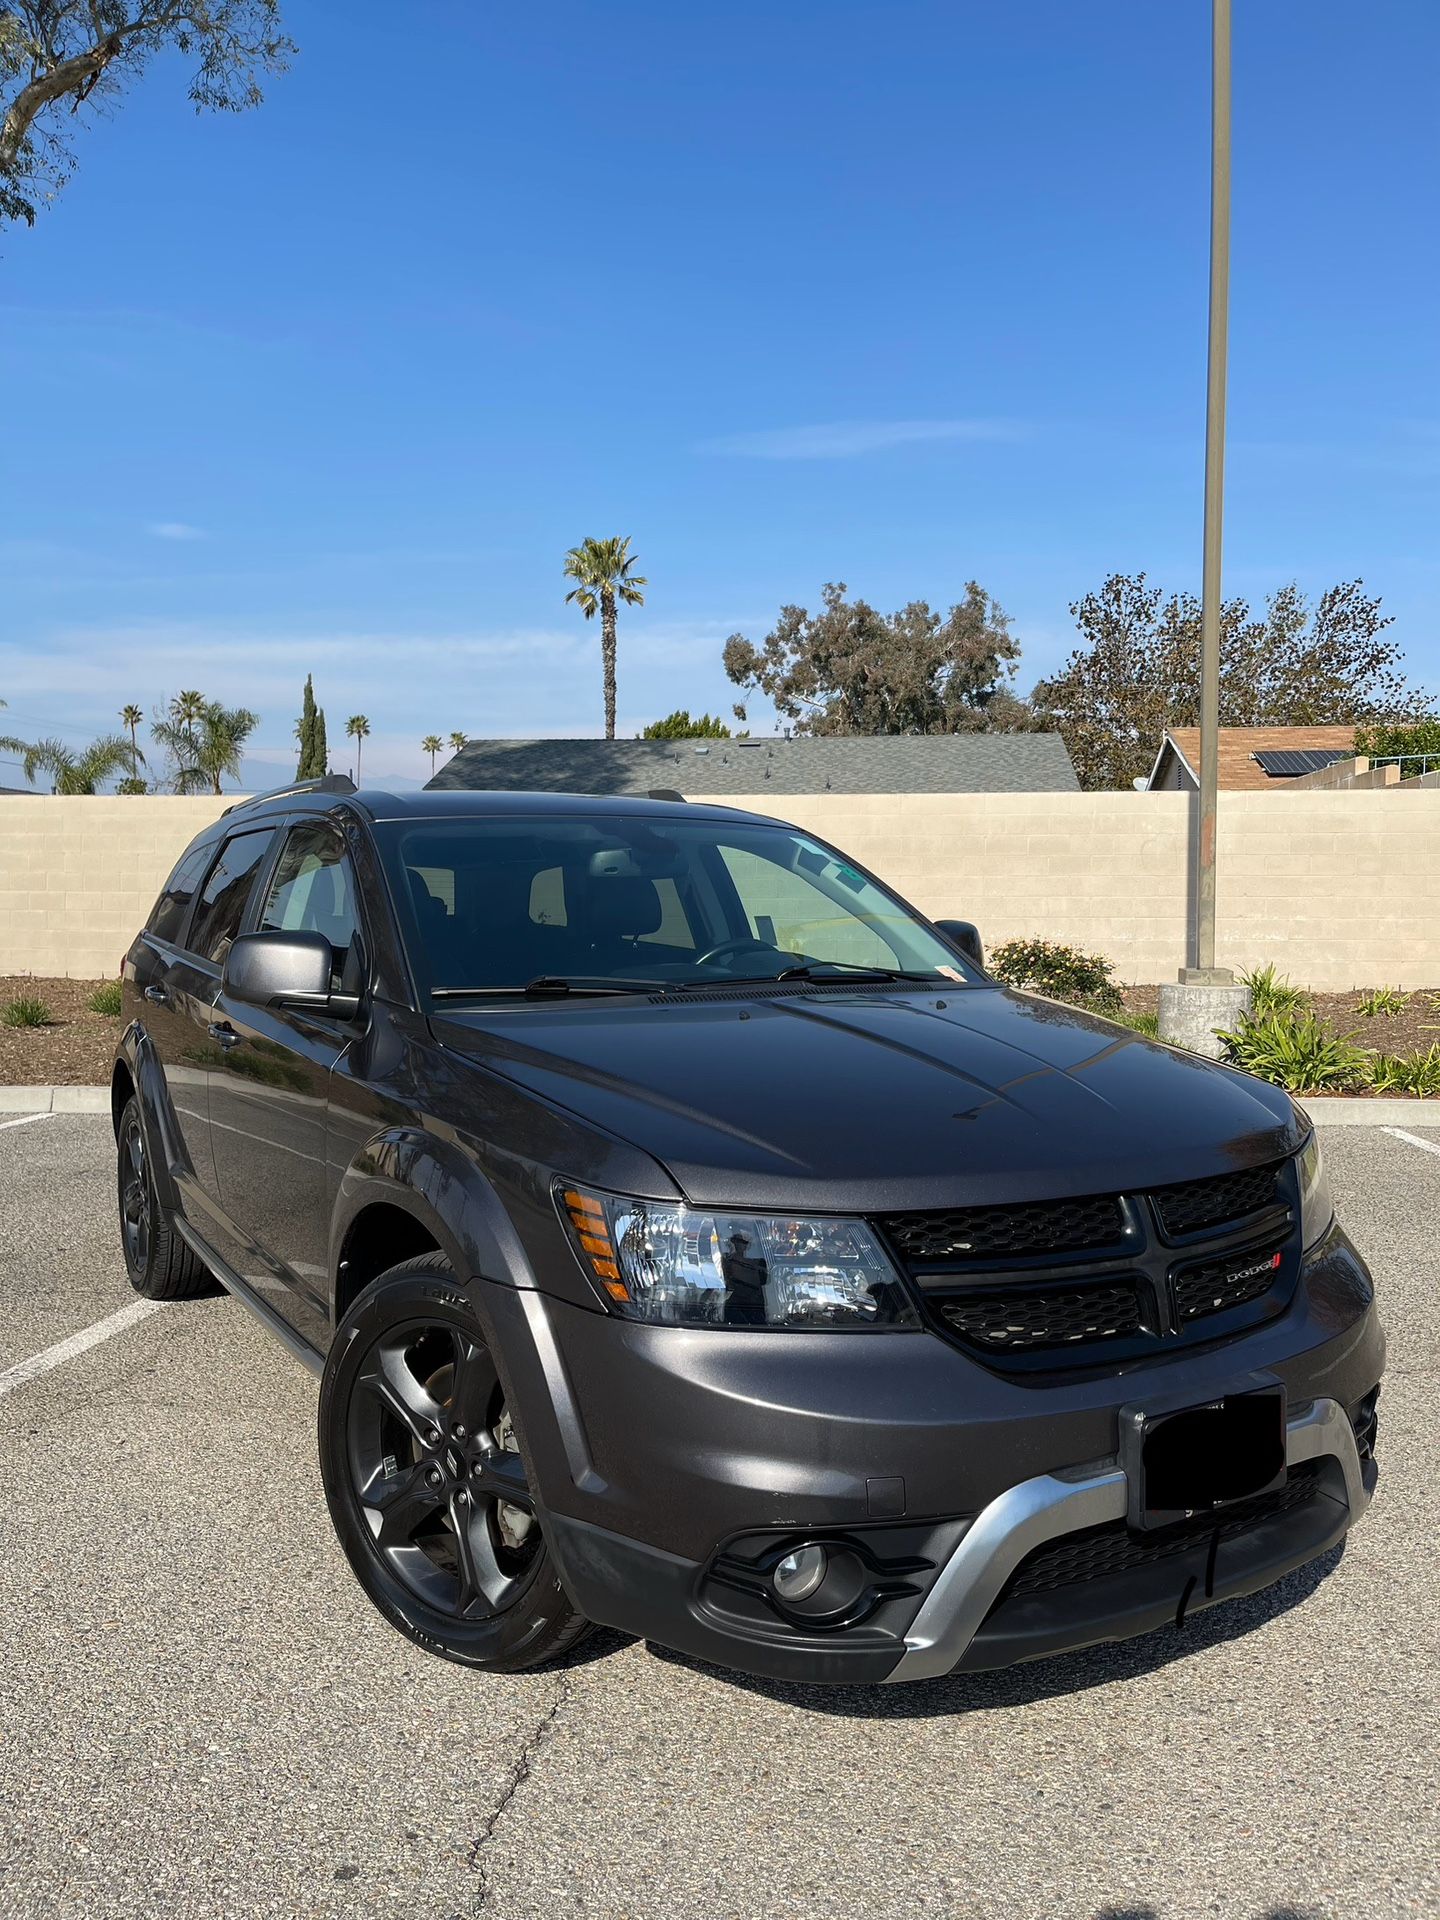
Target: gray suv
(692,1238)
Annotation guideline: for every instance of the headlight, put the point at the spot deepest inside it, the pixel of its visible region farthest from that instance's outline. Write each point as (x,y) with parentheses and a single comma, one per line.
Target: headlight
(1316,1208)
(684,1267)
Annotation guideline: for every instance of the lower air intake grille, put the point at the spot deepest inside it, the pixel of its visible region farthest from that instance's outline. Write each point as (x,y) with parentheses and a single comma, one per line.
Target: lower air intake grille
(989,1233)
(1043,1316)
(1102,1551)
(1206,1203)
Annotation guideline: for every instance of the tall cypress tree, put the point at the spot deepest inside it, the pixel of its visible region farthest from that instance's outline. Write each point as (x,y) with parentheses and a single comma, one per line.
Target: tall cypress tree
(320,757)
(305,728)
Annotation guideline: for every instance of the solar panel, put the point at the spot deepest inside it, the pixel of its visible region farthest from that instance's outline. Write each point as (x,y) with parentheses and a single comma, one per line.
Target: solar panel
(1288,763)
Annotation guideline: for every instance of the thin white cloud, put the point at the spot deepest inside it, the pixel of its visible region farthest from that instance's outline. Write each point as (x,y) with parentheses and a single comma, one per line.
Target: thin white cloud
(843,439)
(175,530)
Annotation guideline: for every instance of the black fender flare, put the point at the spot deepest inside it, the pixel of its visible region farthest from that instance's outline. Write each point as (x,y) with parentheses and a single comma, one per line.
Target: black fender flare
(136,1053)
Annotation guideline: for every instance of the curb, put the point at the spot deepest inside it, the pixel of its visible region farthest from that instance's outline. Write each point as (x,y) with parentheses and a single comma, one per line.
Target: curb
(1326,1110)
(54,1099)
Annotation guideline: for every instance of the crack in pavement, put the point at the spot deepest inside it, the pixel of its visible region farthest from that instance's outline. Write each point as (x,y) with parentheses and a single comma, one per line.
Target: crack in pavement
(519,1773)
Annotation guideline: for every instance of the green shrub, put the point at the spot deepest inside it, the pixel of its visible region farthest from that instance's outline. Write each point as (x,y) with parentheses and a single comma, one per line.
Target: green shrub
(1419,736)
(1297,1052)
(25,1010)
(1383,1003)
(106,998)
(1146,1023)
(1059,972)
(1272,993)
(1411,1073)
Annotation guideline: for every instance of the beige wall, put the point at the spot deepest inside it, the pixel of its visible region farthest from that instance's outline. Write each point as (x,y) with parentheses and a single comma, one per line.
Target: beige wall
(1338,889)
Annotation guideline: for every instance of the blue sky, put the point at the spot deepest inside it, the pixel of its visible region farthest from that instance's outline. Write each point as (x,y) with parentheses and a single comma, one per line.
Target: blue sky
(899,294)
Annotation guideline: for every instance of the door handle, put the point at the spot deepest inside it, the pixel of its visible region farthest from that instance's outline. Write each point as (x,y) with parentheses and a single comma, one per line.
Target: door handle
(222,1031)
(158,995)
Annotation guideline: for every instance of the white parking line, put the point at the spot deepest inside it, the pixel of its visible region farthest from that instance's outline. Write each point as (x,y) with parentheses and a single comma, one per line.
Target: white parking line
(25,1120)
(1430,1146)
(24,1371)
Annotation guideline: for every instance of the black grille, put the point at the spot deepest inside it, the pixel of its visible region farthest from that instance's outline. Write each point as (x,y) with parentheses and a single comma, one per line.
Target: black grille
(1208,1203)
(989,1233)
(1102,1551)
(1044,1317)
(1215,1285)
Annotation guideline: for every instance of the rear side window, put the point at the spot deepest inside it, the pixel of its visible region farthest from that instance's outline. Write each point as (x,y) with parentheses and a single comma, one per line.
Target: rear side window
(222,902)
(174,903)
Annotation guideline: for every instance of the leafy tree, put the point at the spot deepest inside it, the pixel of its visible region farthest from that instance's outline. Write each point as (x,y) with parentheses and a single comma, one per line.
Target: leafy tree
(357,727)
(852,669)
(132,717)
(602,570)
(459,740)
(71,771)
(1292,665)
(432,744)
(314,761)
(205,745)
(679,726)
(58,55)
(1415,737)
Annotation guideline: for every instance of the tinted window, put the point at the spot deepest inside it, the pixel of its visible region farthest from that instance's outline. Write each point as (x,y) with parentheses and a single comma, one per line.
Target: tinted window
(313,892)
(173,904)
(222,902)
(496,903)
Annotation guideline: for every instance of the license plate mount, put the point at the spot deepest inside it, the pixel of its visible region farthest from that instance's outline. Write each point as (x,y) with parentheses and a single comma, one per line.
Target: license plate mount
(1187,1462)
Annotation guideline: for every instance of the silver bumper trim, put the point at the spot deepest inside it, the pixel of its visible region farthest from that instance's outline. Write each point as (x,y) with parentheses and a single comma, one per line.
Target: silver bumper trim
(1051,1505)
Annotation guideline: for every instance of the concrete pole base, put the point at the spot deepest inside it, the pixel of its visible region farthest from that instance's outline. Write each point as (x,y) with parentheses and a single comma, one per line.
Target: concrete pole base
(1191,1011)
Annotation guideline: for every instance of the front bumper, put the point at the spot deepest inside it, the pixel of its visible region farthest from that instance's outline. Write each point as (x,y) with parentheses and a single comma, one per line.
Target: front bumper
(672,1466)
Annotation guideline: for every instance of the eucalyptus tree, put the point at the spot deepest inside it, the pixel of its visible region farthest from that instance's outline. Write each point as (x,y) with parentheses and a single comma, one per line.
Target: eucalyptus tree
(59,56)
(602,572)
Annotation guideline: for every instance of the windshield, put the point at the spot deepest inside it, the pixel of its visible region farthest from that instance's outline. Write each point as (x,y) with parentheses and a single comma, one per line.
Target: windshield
(596,904)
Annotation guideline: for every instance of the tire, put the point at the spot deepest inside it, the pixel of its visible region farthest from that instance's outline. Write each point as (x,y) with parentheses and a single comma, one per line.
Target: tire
(159,1264)
(425,1481)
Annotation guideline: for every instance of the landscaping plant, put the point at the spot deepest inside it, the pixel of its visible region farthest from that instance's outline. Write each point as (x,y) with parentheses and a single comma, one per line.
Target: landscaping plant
(1416,1073)
(1383,1003)
(106,998)
(1296,1052)
(27,1010)
(1272,993)
(1059,972)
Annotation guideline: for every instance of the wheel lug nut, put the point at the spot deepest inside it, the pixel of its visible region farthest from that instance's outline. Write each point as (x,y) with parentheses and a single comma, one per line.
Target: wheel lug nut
(459,1433)
(462,1498)
(434,1436)
(433,1476)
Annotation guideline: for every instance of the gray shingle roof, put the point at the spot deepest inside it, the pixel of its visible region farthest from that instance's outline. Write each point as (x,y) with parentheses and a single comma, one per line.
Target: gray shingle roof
(884,763)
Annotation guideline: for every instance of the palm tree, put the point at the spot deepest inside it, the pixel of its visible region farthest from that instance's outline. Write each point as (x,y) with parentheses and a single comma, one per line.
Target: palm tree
(432,744)
(71,771)
(131,717)
(205,744)
(358,728)
(457,740)
(602,570)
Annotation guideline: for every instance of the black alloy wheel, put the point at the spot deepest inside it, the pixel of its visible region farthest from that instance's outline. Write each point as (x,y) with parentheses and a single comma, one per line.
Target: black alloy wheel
(158,1262)
(426,1481)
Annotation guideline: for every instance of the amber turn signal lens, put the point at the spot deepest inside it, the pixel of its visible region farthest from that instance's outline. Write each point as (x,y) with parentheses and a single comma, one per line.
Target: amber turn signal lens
(586,1218)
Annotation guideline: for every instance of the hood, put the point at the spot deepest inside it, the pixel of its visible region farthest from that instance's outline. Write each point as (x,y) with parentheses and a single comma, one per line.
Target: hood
(869,1100)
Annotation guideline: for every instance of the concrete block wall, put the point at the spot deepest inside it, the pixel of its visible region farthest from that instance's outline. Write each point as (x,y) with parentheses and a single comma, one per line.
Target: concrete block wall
(1338,889)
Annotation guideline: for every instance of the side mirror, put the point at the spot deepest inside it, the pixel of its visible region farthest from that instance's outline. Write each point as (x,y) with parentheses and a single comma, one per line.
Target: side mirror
(284,969)
(965,936)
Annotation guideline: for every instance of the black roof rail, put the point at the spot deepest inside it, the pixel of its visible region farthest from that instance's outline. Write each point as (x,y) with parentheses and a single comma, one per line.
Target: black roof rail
(328,783)
(664,793)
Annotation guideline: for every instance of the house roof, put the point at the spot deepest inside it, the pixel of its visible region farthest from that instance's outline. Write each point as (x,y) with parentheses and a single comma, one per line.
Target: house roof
(1239,769)
(883,763)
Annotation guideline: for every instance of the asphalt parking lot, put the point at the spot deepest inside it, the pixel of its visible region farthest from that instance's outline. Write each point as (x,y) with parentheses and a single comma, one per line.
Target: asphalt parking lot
(201,1715)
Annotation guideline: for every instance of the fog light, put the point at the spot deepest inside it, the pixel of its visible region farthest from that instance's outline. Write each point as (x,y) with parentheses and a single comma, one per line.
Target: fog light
(800,1573)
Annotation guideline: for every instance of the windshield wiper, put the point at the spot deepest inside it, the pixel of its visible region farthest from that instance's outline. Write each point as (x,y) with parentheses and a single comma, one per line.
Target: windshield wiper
(855,969)
(545,985)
